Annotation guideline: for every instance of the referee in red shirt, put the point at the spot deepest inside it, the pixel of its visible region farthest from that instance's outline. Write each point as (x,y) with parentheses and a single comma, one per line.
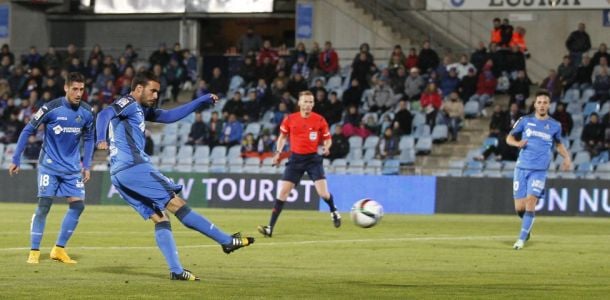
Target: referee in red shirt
(305,129)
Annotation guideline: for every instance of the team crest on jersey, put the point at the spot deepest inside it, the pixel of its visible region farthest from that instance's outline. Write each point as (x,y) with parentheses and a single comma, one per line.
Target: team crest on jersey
(313,136)
(547,127)
(78,119)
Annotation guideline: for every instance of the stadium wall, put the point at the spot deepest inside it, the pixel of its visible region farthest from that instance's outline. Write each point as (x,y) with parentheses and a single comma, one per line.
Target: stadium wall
(397,194)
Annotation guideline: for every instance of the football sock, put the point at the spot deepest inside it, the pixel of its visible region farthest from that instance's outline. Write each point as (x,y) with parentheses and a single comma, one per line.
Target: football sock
(167,245)
(331,203)
(521,213)
(275,213)
(39,220)
(70,221)
(197,222)
(526,224)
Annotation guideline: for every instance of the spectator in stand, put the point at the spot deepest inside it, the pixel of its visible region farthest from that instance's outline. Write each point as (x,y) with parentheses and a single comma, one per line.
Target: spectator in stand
(318,85)
(75,66)
(566,72)
(249,42)
(449,83)
(515,62)
(365,48)
(296,84)
(130,54)
(519,90)
(501,150)
(72,52)
(351,122)
(266,70)
(506,33)
(175,75)
(519,41)
(397,58)
(370,124)
(234,107)
(353,95)
(281,67)
(498,59)
(5,51)
(601,86)
(263,95)
(5,68)
(383,96)
(468,85)
(362,69)
(412,59)
(593,135)
(403,119)
(602,51)
(267,52)
(312,59)
(109,62)
(91,72)
(214,129)
(231,132)
(334,110)
(279,115)
(265,144)
(249,146)
(191,65)
(159,56)
(300,67)
(322,104)
(176,52)
(12,127)
(217,83)
(202,89)
(158,71)
(552,84)
(123,83)
(431,102)
(107,94)
(578,43)
(479,57)
(32,149)
(499,119)
(454,110)
(32,59)
(584,74)
(603,64)
(496,32)
(442,70)
(340,145)
(51,60)
(328,60)
(199,134)
(486,85)
(563,117)
(462,66)
(387,147)
(96,53)
(514,114)
(299,50)
(414,84)
(397,82)
(248,71)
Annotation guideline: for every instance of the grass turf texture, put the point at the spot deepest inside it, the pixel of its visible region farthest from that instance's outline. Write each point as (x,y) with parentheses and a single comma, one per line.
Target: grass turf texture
(405,256)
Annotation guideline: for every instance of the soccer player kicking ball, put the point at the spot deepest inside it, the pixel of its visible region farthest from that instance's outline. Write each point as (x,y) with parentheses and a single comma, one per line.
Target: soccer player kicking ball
(305,129)
(539,133)
(148,191)
(66,120)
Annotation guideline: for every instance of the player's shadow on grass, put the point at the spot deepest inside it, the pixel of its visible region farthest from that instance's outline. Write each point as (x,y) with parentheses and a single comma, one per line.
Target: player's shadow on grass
(126,270)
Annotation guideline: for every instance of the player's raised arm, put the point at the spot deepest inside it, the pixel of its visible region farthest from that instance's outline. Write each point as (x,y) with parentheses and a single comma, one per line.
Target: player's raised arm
(101,127)
(173,115)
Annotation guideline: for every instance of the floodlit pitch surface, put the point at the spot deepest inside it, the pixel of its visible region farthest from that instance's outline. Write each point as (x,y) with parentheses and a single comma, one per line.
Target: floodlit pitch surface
(405,256)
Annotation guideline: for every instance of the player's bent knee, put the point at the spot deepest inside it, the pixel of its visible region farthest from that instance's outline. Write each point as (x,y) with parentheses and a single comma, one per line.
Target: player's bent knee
(78,206)
(44,206)
(182,212)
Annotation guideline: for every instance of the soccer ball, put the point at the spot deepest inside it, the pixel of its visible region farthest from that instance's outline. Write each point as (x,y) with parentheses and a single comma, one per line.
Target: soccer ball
(366,213)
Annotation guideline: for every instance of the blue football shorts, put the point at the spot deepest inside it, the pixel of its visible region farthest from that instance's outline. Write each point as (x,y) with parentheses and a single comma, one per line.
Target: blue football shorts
(298,164)
(145,189)
(528,182)
(66,185)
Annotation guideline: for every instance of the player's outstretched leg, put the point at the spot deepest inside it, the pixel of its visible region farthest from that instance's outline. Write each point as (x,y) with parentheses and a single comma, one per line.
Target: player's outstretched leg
(167,245)
(68,226)
(37,228)
(198,223)
(267,231)
(526,227)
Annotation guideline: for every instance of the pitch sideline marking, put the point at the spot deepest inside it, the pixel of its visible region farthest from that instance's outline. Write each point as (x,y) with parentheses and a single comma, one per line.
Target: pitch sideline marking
(414,239)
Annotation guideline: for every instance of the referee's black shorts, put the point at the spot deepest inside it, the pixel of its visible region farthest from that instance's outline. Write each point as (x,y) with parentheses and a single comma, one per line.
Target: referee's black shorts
(298,164)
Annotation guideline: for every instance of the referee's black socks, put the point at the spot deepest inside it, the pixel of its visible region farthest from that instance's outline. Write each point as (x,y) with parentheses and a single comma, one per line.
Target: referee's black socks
(330,202)
(278,205)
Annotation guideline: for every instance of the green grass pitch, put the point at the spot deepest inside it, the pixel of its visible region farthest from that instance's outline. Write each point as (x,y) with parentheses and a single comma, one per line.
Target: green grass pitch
(404,257)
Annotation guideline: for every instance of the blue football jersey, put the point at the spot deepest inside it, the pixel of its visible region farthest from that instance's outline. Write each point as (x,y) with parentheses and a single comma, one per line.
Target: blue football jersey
(126,134)
(64,127)
(541,136)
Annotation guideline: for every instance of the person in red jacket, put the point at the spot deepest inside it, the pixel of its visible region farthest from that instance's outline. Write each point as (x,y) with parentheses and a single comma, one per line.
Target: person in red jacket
(431,102)
(265,52)
(306,130)
(328,60)
(496,32)
(486,86)
(518,39)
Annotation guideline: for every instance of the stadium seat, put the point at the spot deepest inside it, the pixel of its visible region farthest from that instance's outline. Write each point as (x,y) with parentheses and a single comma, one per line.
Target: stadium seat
(577,146)
(575,133)
(418,119)
(356,167)
(202,151)
(339,166)
(169,150)
(371,142)
(219,164)
(440,133)
(236,82)
(169,139)
(493,165)
(586,95)
(168,160)
(604,109)
(355,142)
(391,167)
(407,156)
(185,151)
(509,166)
(354,154)
(471,109)
(422,131)
(590,107)
(218,152)
(183,168)
(583,169)
(424,145)
(236,165)
(406,142)
(254,128)
(234,152)
(581,157)
(369,154)
(373,167)
(571,95)
(334,83)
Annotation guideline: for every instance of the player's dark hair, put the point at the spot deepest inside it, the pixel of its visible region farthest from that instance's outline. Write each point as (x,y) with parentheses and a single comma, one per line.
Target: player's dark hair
(75,77)
(142,78)
(543,93)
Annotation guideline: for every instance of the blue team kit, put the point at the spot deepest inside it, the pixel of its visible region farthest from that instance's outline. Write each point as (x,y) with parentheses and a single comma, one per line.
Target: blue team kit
(535,157)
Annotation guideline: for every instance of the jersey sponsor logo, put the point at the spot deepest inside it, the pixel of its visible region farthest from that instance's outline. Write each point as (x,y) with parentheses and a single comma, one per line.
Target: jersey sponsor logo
(58,129)
(39,114)
(122,102)
(531,124)
(62,119)
(538,184)
(543,135)
(515,185)
(313,136)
